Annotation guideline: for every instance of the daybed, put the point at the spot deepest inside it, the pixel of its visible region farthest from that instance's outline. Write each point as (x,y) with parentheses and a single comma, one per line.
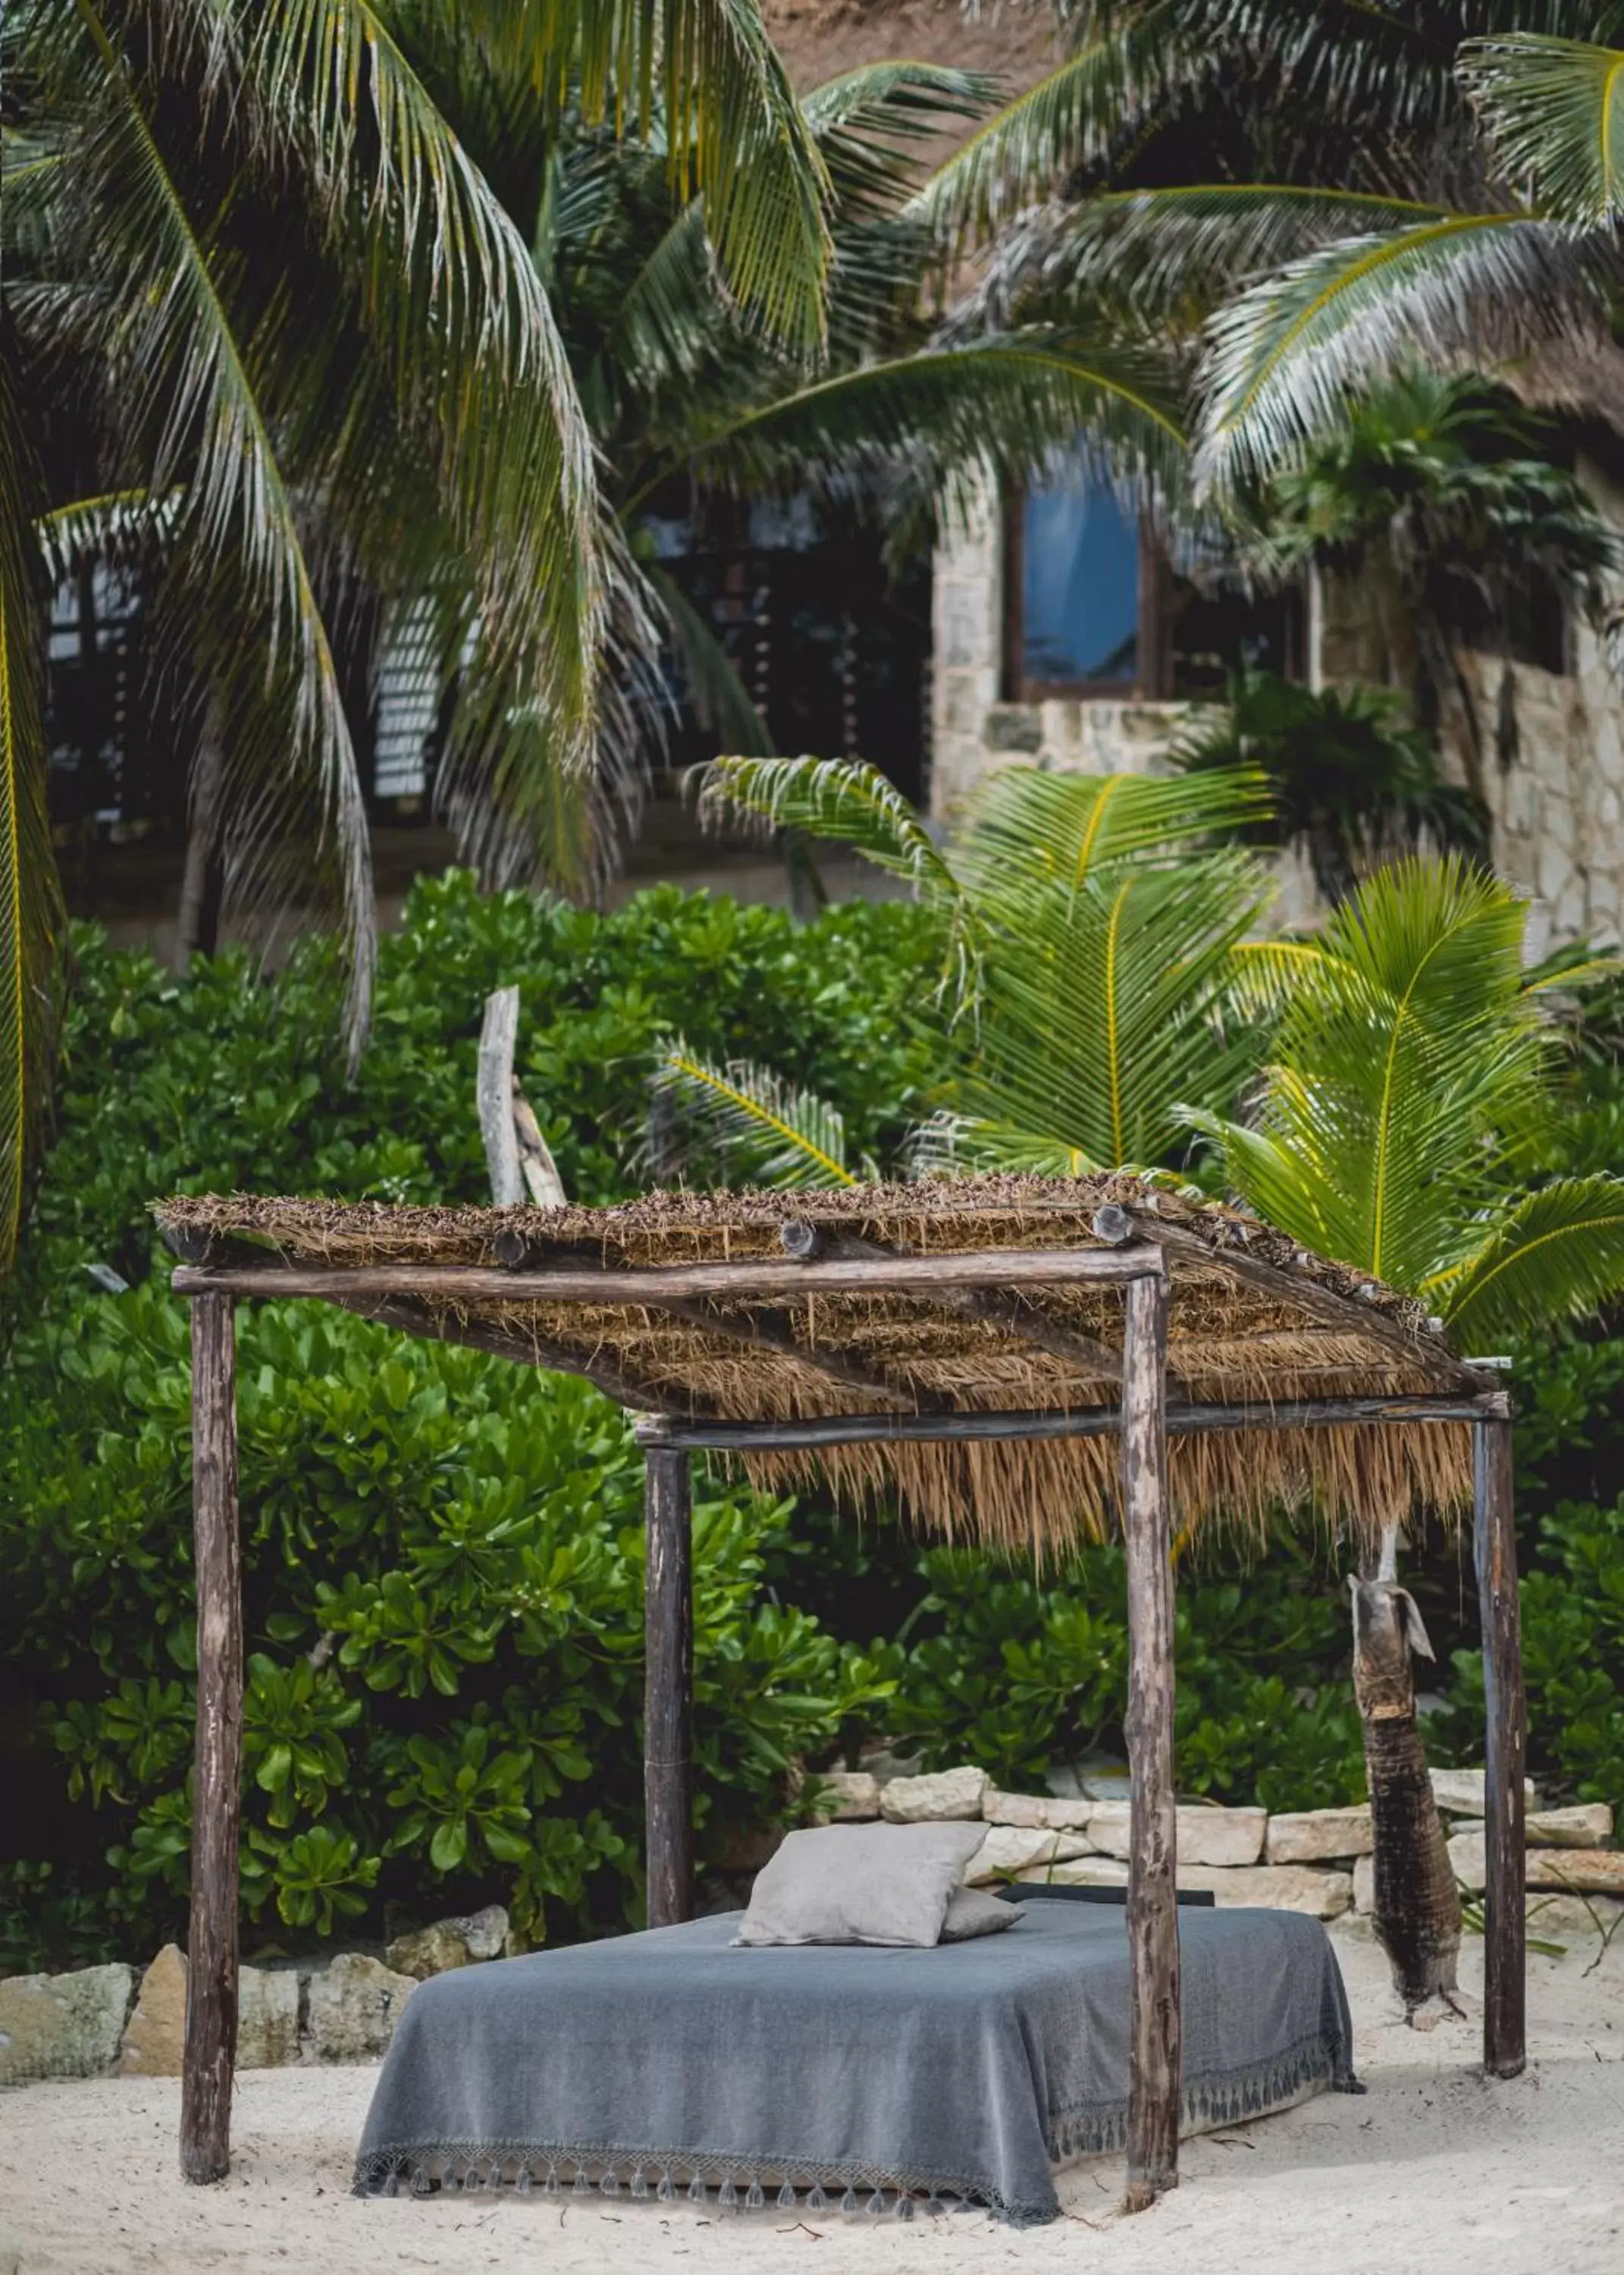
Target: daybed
(676,2063)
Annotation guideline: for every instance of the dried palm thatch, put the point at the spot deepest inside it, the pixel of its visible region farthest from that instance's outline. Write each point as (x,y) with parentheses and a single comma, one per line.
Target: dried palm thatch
(1254,1319)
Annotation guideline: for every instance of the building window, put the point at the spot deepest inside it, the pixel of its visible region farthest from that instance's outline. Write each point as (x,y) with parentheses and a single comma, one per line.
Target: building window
(1094,608)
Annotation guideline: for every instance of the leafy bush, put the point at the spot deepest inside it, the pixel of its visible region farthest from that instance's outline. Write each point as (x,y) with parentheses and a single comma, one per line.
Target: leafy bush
(443,1592)
(444,1583)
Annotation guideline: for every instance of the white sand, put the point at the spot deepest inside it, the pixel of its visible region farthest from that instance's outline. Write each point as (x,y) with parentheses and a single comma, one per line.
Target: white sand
(1435,2168)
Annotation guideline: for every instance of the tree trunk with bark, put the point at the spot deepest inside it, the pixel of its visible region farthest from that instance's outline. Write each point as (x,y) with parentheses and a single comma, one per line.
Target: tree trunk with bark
(1418,1905)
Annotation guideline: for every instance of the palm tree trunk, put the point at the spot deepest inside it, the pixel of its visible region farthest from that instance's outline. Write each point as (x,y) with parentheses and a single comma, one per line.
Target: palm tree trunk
(1416,1910)
(202,885)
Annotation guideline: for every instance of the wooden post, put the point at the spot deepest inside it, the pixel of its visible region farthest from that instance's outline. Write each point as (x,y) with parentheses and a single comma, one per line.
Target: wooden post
(1505,1918)
(210,2052)
(668,1713)
(1156,2061)
(494,1095)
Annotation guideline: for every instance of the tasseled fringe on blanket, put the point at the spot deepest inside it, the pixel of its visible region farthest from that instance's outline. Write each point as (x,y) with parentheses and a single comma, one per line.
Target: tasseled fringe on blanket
(592,2170)
(738,2187)
(1229,2099)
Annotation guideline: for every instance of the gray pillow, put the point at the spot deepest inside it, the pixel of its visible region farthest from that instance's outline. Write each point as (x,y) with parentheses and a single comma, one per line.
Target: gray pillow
(860,1884)
(973,1911)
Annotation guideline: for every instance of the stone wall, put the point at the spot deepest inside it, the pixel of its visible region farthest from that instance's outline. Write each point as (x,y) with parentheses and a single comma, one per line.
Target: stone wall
(1558,813)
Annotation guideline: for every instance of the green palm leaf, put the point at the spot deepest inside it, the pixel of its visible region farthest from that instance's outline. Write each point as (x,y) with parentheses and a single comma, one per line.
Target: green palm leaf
(1285,357)
(1557,1253)
(1411,1061)
(176,349)
(1554,112)
(761,1128)
(1074,114)
(1023,825)
(958,417)
(1098,1019)
(31,915)
(844,800)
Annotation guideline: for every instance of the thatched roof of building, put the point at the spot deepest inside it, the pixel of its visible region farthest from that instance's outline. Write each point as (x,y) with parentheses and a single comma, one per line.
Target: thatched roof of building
(1253,1318)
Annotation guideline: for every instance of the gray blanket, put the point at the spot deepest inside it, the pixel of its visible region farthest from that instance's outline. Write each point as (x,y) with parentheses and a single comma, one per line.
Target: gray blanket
(675,2062)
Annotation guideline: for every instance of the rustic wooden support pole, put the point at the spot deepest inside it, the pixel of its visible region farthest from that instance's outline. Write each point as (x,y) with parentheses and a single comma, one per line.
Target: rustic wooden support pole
(668,1711)
(1505,1918)
(209,2058)
(1156,2062)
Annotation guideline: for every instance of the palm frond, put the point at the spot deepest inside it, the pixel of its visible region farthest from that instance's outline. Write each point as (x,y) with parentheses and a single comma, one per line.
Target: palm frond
(846,801)
(1023,825)
(957,418)
(1554,112)
(119,526)
(455,303)
(759,1128)
(30,913)
(1078,112)
(951,1144)
(1285,357)
(1409,1062)
(181,372)
(1098,1018)
(1557,1253)
(863,121)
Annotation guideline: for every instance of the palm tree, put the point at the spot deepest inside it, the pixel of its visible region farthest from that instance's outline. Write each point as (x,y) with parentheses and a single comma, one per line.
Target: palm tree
(1411,1098)
(1094,936)
(258,294)
(1331,193)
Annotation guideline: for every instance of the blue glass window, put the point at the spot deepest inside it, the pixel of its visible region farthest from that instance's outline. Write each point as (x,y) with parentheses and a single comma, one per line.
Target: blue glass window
(1080,602)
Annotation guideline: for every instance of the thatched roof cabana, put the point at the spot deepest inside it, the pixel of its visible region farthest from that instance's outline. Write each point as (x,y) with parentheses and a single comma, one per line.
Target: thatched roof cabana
(1254,1322)
(1023,1361)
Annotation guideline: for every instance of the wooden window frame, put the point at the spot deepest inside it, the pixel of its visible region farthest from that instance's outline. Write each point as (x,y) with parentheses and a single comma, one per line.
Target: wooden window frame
(1148,683)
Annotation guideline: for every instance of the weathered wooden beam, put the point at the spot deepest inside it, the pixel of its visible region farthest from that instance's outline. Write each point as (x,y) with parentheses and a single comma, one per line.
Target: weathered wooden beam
(813,1431)
(1338,1312)
(1504,2050)
(1155,2060)
(808,1241)
(668,1707)
(416,1319)
(756,1277)
(209,2056)
(764,1330)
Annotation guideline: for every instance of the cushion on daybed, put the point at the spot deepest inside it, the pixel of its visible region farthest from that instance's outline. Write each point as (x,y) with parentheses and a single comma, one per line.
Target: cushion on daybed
(883,1884)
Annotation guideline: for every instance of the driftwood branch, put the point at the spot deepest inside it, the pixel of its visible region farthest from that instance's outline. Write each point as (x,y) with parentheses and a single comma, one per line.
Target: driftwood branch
(494,1093)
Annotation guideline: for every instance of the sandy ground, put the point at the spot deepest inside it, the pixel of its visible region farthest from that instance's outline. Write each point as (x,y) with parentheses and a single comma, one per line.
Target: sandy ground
(1435,2167)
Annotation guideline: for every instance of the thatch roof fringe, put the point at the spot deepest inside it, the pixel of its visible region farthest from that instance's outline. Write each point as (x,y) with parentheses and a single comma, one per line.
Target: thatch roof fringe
(1254,1318)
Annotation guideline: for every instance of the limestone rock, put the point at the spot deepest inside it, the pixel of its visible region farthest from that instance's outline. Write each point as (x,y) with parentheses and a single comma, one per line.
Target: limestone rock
(1310,1835)
(1044,1811)
(63,2025)
(1274,1887)
(1580,1871)
(1467,1859)
(355,2003)
(267,2018)
(1364,1884)
(1015,1849)
(157,2031)
(931,1800)
(884,1763)
(1585,1826)
(847,1796)
(1461,1793)
(1079,1872)
(1206,1836)
(449,1943)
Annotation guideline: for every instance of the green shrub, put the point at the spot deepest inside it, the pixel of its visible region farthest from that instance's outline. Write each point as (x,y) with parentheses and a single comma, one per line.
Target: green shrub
(442,1590)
